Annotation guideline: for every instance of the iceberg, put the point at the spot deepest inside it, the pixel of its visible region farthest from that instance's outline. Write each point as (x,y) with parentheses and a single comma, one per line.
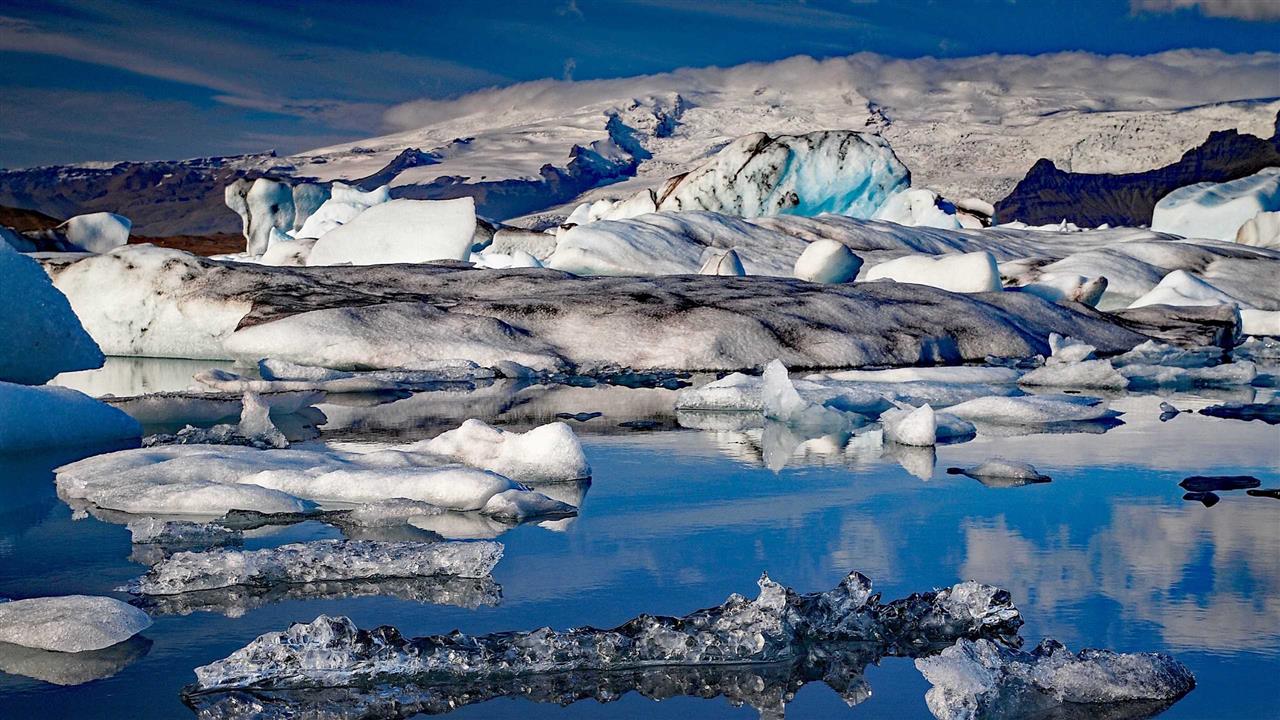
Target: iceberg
(342,206)
(32,418)
(982,679)
(255,429)
(547,453)
(917,427)
(43,336)
(1217,210)
(827,261)
(400,231)
(836,171)
(70,623)
(316,561)
(974,272)
(726,263)
(1261,230)
(96,232)
(919,207)
(360,318)
(778,626)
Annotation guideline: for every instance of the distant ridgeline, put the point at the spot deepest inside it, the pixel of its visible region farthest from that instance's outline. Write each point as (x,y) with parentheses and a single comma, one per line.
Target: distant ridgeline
(1048,195)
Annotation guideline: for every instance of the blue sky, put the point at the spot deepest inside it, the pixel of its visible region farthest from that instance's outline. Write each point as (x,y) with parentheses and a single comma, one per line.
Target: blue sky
(130,80)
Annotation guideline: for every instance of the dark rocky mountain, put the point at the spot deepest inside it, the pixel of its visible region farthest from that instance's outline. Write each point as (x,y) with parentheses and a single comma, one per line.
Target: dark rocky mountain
(1049,195)
(162,198)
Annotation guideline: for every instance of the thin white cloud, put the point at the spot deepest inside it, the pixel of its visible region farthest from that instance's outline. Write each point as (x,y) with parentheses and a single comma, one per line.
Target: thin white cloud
(1251,10)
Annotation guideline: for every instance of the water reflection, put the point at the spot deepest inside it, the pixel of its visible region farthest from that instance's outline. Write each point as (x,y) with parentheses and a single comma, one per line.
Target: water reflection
(60,668)
(238,600)
(1151,560)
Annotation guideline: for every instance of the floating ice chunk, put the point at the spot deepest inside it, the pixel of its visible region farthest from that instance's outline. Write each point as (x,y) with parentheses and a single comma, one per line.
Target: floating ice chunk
(1260,322)
(1033,409)
(1055,287)
(918,207)
(1225,375)
(212,480)
(963,273)
(1217,210)
(780,401)
(981,679)
(1262,230)
(911,426)
(725,263)
(255,429)
(154,531)
(955,375)
(70,623)
(389,336)
(317,561)
(1181,288)
(1067,351)
(1153,352)
(401,231)
(45,417)
(998,472)
(827,261)
(42,335)
(779,625)
(97,232)
(547,453)
(307,199)
(1087,374)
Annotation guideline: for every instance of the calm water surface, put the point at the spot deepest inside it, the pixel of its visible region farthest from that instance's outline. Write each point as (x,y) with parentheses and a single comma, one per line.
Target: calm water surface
(1106,555)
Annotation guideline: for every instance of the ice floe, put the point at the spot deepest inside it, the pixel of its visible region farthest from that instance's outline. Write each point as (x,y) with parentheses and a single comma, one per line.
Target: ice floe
(779,625)
(1033,409)
(70,623)
(214,479)
(316,561)
(982,679)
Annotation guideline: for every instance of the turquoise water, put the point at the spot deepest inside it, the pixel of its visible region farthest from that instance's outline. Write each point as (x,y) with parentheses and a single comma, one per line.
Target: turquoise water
(1106,555)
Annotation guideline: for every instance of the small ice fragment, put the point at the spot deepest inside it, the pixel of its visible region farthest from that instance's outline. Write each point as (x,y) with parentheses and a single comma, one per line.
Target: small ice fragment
(998,472)
(981,679)
(917,426)
(827,261)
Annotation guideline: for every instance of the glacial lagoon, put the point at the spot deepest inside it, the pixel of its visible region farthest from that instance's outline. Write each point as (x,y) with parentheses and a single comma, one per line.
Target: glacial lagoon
(1108,554)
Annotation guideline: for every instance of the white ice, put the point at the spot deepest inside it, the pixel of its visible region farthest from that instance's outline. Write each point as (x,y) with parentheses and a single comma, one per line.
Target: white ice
(97,232)
(70,623)
(966,272)
(1217,210)
(827,261)
(917,206)
(1032,409)
(401,231)
(1261,230)
(42,335)
(344,204)
(32,418)
(911,426)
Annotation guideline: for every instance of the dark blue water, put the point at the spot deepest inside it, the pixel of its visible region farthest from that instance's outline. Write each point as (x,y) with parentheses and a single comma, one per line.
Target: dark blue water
(1106,555)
